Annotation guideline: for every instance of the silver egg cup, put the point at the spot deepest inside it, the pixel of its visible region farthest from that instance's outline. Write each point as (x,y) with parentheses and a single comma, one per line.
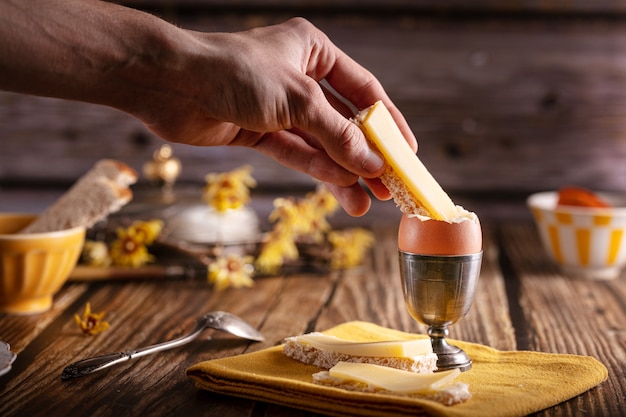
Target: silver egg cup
(439,291)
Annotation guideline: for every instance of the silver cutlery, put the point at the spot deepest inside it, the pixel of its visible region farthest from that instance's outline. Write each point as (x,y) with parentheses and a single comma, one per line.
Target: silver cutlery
(219,320)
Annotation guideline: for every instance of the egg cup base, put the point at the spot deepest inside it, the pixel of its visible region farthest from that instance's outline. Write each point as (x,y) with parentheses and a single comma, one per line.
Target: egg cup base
(27,306)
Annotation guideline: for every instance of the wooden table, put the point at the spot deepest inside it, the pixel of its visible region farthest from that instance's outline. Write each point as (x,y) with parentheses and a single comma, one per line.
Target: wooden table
(522,303)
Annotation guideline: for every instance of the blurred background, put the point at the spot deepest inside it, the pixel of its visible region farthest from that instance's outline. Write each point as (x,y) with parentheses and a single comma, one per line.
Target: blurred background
(505,97)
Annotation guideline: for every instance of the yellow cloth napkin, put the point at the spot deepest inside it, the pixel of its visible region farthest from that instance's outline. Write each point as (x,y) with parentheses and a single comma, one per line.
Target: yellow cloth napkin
(502,383)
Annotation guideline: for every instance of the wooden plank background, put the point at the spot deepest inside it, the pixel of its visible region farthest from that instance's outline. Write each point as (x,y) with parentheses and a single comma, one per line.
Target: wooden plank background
(503,99)
(522,303)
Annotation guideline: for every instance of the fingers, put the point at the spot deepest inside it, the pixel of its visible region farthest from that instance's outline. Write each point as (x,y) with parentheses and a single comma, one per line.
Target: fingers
(361,88)
(377,188)
(294,151)
(341,139)
(353,199)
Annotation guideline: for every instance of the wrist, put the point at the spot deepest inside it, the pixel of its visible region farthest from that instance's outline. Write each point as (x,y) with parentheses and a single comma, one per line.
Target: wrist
(143,67)
(95,52)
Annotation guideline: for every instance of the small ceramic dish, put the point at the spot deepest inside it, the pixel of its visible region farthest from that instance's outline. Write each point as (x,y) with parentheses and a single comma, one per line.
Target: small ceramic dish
(33,267)
(586,242)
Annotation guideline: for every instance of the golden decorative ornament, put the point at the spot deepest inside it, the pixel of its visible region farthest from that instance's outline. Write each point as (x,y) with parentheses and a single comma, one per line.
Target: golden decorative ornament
(164,168)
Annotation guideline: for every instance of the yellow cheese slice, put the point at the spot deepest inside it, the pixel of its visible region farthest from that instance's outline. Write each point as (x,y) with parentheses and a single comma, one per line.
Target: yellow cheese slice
(380,128)
(387,349)
(393,380)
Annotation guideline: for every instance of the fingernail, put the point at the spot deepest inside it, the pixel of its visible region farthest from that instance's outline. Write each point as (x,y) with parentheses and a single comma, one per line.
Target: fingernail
(373,162)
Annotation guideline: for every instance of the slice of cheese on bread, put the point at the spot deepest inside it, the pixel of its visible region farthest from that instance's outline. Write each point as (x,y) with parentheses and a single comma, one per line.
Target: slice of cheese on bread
(393,380)
(411,185)
(103,190)
(365,377)
(326,351)
(391,348)
(397,367)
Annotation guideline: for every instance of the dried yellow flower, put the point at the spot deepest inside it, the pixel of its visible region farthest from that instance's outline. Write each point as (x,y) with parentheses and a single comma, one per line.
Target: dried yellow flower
(229,190)
(91,323)
(231,270)
(279,247)
(129,248)
(324,201)
(146,231)
(287,216)
(295,221)
(349,247)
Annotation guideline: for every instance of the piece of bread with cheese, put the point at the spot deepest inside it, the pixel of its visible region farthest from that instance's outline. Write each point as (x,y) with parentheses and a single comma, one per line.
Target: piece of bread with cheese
(103,190)
(439,386)
(411,185)
(400,367)
(327,351)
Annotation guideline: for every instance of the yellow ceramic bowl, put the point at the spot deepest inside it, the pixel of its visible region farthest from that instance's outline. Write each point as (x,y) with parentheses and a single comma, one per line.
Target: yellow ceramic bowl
(33,267)
(584,241)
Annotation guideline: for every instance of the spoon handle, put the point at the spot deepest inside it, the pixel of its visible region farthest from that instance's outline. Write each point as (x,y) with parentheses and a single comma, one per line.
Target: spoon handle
(91,365)
(88,366)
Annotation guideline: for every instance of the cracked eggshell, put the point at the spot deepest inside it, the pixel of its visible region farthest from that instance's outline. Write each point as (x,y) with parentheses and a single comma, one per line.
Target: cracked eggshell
(425,236)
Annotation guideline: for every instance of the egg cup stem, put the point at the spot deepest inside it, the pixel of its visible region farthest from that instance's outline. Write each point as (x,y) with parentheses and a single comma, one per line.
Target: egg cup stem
(439,291)
(448,356)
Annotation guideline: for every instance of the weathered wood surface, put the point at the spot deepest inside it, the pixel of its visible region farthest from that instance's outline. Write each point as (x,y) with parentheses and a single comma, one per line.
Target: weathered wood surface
(522,303)
(499,102)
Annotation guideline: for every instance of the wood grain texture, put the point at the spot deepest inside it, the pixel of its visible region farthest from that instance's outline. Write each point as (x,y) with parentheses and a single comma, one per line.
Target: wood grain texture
(572,316)
(522,303)
(499,103)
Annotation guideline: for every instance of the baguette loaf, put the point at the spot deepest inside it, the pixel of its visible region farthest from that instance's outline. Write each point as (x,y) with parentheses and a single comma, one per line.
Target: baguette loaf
(103,190)
(326,359)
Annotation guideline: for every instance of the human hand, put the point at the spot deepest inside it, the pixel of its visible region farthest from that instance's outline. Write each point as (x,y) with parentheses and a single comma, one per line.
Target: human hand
(260,89)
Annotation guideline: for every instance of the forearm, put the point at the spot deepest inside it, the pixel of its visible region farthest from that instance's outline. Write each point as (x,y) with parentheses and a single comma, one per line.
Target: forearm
(258,88)
(83,50)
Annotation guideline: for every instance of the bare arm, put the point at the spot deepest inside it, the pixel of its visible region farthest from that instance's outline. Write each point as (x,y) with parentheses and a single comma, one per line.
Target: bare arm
(258,88)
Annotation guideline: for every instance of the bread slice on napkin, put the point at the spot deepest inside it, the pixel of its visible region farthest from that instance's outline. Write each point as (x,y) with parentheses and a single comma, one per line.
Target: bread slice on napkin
(103,190)
(502,383)
(411,361)
(298,348)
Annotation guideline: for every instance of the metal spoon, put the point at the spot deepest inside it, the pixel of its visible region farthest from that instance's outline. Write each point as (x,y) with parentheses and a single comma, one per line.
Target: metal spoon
(219,320)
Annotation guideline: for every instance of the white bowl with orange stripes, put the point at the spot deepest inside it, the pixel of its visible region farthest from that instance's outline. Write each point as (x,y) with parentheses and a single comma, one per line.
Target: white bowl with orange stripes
(585,242)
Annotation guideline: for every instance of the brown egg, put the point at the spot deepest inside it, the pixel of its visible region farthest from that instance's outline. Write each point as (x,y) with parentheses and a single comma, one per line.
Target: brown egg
(435,237)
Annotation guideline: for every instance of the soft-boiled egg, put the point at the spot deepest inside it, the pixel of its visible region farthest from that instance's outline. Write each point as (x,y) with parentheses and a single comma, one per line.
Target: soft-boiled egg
(425,236)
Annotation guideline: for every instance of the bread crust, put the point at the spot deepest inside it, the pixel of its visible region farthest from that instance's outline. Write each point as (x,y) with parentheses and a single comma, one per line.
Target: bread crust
(451,394)
(401,195)
(103,190)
